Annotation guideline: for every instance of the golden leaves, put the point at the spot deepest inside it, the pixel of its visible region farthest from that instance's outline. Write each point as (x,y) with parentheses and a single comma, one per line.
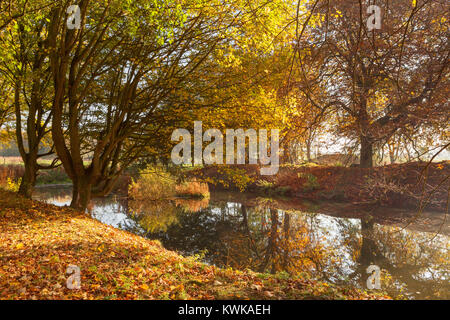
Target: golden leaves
(144,286)
(114,264)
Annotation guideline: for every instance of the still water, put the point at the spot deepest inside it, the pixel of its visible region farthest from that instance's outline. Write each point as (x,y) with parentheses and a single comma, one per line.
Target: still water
(326,241)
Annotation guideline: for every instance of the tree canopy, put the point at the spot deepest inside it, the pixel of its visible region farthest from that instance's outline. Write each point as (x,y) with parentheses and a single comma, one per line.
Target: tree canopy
(108,89)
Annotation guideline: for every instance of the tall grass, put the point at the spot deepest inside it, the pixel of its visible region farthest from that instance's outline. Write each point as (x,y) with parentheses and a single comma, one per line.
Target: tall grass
(12,173)
(193,188)
(154,183)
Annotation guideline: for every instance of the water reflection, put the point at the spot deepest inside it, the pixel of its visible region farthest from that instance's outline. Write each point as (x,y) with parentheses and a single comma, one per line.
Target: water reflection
(262,237)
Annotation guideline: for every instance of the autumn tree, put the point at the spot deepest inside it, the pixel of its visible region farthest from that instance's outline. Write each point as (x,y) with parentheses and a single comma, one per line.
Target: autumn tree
(236,85)
(6,108)
(113,76)
(25,68)
(379,81)
(11,10)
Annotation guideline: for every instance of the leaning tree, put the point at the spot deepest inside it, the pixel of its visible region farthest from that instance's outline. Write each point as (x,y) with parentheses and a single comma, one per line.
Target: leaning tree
(113,75)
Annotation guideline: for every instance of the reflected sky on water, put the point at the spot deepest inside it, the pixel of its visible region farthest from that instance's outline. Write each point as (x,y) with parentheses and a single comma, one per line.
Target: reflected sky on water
(312,240)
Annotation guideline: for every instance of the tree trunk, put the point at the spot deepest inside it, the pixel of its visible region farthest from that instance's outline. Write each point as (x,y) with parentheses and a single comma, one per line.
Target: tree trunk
(29,177)
(83,193)
(74,201)
(391,157)
(84,197)
(391,148)
(366,153)
(308,151)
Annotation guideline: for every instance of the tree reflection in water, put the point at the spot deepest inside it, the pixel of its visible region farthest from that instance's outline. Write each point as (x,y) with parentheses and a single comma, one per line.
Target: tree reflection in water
(260,236)
(266,239)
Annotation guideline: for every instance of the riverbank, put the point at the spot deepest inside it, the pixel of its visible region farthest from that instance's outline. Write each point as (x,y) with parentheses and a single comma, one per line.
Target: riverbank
(415,185)
(423,221)
(39,241)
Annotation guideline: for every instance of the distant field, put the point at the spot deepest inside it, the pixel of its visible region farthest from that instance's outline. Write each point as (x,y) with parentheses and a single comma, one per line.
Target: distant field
(18,161)
(11,160)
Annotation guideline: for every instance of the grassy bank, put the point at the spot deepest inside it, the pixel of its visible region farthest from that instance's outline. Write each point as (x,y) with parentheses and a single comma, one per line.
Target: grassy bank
(408,185)
(38,241)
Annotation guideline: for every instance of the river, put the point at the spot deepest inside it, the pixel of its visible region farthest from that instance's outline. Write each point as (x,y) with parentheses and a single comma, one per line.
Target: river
(325,241)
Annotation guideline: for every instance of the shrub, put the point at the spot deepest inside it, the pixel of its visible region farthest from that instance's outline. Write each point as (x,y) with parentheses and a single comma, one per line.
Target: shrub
(52,176)
(311,182)
(12,185)
(264,185)
(10,175)
(232,176)
(270,188)
(153,183)
(284,190)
